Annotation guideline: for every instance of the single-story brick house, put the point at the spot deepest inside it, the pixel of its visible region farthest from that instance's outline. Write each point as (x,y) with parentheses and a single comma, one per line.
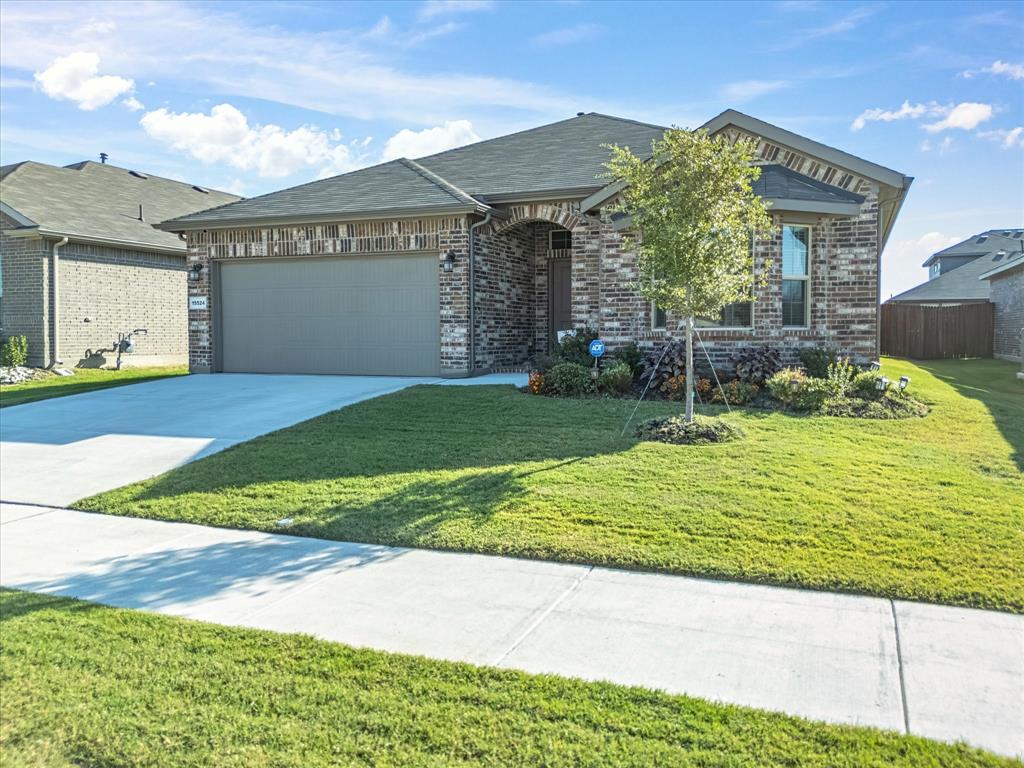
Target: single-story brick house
(80,262)
(473,259)
(1007,294)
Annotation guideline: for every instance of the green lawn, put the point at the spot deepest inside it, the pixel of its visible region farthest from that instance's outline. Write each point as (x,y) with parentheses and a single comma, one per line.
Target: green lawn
(84,380)
(89,685)
(929,509)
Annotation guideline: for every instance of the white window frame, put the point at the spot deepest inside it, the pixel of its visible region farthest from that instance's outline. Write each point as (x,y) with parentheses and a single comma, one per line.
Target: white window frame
(806,278)
(551,234)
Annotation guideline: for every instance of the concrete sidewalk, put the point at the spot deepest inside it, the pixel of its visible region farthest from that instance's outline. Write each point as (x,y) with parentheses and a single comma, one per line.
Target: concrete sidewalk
(946,673)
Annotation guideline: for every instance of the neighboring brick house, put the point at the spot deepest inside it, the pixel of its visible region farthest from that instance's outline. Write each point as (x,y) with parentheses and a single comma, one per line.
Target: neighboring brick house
(473,259)
(1007,294)
(90,224)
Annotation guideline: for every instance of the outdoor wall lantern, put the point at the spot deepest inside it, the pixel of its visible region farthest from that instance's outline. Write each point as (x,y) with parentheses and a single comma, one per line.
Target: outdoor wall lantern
(195,272)
(448,261)
(904,382)
(882,384)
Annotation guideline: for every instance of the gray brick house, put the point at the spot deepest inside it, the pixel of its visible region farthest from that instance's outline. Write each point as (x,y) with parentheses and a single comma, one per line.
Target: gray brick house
(1007,296)
(473,259)
(81,262)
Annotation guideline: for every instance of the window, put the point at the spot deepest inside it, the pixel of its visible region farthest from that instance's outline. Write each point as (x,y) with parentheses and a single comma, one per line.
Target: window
(736,315)
(659,318)
(796,242)
(560,240)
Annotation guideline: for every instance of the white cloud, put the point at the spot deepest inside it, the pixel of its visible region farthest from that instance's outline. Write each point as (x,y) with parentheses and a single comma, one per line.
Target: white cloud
(965,116)
(745,90)
(434,8)
(1007,138)
(76,78)
(225,136)
(568,35)
(998,67)
(848,23)
(407,143)
(943,147)
(133,104)
(907,111)
(349,73)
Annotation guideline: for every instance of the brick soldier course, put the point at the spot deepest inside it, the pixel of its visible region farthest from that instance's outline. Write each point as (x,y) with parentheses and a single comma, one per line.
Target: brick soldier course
(848,203)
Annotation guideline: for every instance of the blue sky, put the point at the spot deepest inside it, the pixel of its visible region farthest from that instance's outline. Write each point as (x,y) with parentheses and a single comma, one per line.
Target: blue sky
(257,96)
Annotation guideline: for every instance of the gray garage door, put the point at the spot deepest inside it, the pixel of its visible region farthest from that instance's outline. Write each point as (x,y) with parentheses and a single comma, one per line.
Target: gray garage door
(357,315)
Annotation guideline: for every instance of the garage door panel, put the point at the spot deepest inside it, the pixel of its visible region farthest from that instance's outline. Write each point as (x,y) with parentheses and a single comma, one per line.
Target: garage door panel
(376,315)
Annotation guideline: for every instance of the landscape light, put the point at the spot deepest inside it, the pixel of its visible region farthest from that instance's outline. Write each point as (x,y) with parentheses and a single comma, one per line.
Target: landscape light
(875,365)
(882,383)
(904,381)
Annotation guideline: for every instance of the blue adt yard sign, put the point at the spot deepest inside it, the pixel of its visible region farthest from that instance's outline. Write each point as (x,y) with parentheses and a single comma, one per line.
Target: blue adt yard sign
(596,348)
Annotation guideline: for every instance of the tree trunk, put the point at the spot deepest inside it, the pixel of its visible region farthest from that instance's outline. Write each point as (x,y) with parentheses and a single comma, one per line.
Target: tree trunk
(690,383)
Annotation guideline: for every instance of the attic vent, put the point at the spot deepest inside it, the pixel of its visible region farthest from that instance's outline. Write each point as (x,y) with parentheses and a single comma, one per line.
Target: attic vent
(138,175)
(1017,235)
(1006,234)
(200,189)
(982,238)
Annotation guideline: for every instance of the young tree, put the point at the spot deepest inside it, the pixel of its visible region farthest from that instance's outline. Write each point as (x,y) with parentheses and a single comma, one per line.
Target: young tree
(693,213)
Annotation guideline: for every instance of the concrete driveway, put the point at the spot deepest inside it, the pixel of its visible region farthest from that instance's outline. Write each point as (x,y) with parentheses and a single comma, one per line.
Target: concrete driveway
(60,450)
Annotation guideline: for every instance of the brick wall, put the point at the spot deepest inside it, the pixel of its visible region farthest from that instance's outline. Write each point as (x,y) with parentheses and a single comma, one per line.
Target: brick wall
(505,296)
(102,291)
(1008,297)
(23,304)
(107,291)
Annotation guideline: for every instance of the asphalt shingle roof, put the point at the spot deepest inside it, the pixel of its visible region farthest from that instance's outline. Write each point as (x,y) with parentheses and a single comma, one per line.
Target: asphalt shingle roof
(993,240)
(395,185)
(779,181)
(960,284)
(566,155)
(101,202)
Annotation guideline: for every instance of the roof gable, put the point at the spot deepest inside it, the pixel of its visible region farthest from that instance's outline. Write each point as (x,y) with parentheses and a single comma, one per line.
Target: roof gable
(100,202)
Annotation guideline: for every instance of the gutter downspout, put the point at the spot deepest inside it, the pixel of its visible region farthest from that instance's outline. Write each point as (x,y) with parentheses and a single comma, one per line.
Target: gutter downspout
(55,276)
(472,293)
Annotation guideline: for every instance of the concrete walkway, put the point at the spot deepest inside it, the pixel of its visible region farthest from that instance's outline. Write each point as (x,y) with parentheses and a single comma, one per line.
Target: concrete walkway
(945,673)
(60,450)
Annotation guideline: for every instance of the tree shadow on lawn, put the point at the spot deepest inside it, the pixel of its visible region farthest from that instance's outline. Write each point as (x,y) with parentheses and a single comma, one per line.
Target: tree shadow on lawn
(994,384)
(451,431)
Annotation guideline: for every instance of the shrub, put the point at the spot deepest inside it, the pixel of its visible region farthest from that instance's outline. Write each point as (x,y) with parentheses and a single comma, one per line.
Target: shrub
(755,365)
(864,384)
(576,349)
(14,351)
(736,393)
(673,364)
(536,383)
(812,395)
(889,405)
(675,388)
(617,378)
(785,384)
(839,377)
(543,363)
(675,430)
(816,360)
(570,380)
(630,355)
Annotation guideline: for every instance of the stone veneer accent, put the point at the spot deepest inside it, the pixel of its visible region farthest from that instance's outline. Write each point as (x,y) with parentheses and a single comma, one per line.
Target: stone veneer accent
(1008,297)
(511,279)
(103,291)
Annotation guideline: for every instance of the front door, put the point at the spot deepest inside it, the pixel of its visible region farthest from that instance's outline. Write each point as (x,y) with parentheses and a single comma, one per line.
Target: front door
(559,298)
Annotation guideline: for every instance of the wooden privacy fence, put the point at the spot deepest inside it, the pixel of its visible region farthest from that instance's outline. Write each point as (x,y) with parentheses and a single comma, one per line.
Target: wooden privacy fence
(930,333)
